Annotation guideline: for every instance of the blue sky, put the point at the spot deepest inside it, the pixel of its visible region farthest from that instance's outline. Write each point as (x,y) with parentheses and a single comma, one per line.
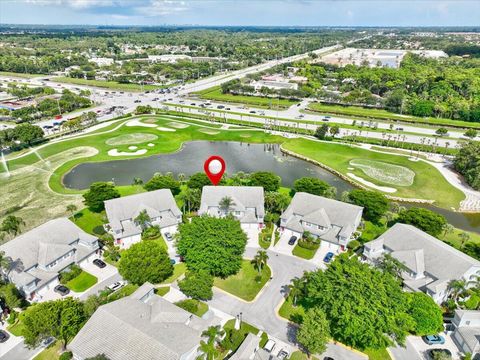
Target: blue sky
(243,12)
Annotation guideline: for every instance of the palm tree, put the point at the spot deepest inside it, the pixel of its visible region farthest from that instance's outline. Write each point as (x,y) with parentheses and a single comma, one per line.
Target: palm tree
(448,229)
(4,264)
(181,177)
(72,208)
(208,348)
(260,260)
(464,237)
(226,203)
(12,224)
(296,289)
(456,288)
(143,219)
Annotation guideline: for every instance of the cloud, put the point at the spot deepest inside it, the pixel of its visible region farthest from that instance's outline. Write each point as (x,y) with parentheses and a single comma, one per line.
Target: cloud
(76,4)
(162,7)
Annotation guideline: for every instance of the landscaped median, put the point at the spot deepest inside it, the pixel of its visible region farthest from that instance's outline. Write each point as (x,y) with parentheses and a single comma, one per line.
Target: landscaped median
(247,283)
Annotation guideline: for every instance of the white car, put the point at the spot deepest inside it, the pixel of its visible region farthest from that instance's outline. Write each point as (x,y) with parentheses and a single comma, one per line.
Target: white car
(117,285)
(269,346)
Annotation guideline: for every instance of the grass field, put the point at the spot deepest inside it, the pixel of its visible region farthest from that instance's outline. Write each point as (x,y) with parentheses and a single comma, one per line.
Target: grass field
(34,190)
(19,75)
(215,94)
(82,282)
(290,312)
(360,112)
(385,172)
(303,252)
(245,284)
(52,352)
(162,291)
(105,84)
(178,270)
(88,220)
(131,139)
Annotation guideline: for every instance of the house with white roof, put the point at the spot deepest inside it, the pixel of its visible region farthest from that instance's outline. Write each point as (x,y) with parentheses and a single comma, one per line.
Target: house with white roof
(467,331)
(121,212)
(39,255)
(429,264)
(142,326)
(247,204)
(327,219)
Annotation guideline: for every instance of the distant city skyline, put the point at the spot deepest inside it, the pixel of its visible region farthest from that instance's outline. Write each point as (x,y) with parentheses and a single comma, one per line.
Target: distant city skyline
(242,12)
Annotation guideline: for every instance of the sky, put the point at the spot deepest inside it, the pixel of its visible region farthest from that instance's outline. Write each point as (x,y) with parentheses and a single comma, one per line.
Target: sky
(243,12)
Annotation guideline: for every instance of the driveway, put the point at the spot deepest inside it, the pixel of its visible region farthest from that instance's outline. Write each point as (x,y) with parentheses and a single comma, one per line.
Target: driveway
(101,274)
(405,353)
(252,237)
(282,246)
(324,248)
(262,312)
(421,347)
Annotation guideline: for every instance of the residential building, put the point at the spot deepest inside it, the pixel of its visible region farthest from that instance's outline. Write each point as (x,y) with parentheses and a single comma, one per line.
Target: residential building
(39,255)
(247,204)
(102,61)
(327,219)
(430,264)
(121,213)
(141,326)
(168,58)
(248,348)
(467,331)
(274,85)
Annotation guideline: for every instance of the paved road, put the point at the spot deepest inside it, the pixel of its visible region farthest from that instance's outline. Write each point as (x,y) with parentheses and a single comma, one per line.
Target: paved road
(405,353)
(20,352)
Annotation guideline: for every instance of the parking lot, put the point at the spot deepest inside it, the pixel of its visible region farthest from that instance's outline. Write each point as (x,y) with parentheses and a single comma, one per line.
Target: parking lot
(421,347)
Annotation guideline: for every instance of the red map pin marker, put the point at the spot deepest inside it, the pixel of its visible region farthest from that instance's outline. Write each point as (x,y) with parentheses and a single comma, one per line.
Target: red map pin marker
(214,168)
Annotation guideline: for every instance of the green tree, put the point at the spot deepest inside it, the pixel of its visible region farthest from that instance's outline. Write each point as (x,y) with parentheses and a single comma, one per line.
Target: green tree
(98,193)
(208,348)
(268,180)
(162,182)
(198,181)
(197,285)
(12,225)
(378,306)
(72,208)
(61,319)
(276,202)
(190,199)
(226,204)
(322,131)
(441,131)
(5,262)
(260,260)
(314,332)
(145,261)
(313,186)
(426,314)
(374,203)
(11,296)
(424,219)
(467,163)
(471,133)
(296,289)
(212,244)
(334,130)
(27,133)
(143,219)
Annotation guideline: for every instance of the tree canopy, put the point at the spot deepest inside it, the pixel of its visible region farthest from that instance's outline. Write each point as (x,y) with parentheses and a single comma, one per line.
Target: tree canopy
(98,193)
(426,314)
(314,332)
(467,162)
(162,182)
(424,219)
(314,186)
(212,244)
(145,261)
(268,180)
(375,204)
(197,285)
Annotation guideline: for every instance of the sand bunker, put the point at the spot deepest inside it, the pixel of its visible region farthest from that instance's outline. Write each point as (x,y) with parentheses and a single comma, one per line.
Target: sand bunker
(150,145)
(372,185)
(209,131)
(131,139)
(115,152)
(137,122)
(132,147)
(178,125)
(165,129)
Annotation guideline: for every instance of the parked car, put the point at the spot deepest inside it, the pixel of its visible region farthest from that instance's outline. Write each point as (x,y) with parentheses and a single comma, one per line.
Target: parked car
(434,339)
(328,358)
(100,263)
(253,112)
(434,354)
(328,257)
(283,354)
(269,346)
(220,107)
(3,336)
(62,290)
(173,261)
(168,236)
(292,240)
(117,285)
(137,101)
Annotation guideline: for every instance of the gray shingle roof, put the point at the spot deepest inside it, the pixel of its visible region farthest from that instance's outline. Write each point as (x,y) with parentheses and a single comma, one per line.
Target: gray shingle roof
(135,328)
(244,198)
(337,216)
(247,348)
(440,260)
(159,203)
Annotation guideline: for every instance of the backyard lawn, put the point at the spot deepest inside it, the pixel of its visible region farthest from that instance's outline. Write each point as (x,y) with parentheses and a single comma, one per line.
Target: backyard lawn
(178,270)
(90,221)
(82,282)
(247,283)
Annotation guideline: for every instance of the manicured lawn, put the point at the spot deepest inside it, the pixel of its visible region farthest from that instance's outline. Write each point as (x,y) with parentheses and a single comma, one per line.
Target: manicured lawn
(290,312)
(127,190)
(17,328)
(19,75)
(105,84)
(196,307)
(303,252)
(178,270)
(245,284)
(428,182)
(265,236)
(90,221)
(50,353)
(82,282)
(298,355)
(384,115)
(233,342)
(454,237)
(377,354)
(161,291)
(216,94)
(371,231)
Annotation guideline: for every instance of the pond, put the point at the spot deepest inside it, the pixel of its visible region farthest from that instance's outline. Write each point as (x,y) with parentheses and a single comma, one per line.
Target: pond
(238,157)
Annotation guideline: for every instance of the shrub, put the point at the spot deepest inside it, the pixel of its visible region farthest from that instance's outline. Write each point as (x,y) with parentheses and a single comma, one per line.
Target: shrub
(354,244)
(163,182)
(70,274)
(197,285)
(99,230)
(150,233)
(190,305)
(13,317)
(67,355)
(308,244)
